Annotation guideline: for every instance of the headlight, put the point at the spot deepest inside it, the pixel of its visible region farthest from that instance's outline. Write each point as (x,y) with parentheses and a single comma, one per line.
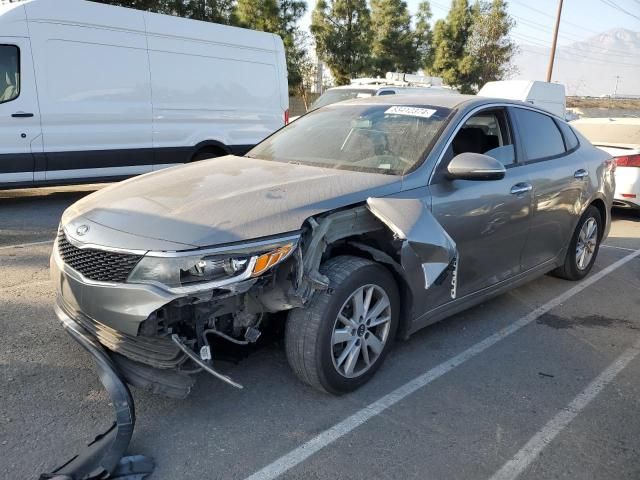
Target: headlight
(209,269)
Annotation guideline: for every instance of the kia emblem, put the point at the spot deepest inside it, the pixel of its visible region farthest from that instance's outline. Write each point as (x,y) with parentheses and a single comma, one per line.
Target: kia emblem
(82,230)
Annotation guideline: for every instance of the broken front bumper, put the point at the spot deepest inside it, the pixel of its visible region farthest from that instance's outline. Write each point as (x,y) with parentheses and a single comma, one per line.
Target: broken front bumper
(104,456)
(121,306)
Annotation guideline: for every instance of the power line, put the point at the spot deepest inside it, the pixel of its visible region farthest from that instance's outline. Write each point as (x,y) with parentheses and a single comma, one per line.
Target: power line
(531,38)
(567,36)
(567,22)
(612,4)
(564,35)
(588,59)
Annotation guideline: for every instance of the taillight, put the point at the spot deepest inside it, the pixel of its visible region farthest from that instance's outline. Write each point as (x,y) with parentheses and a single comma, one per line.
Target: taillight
(628,161)
(286,117)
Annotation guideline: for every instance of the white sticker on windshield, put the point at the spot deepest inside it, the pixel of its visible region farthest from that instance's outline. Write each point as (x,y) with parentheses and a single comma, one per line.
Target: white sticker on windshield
(411,111)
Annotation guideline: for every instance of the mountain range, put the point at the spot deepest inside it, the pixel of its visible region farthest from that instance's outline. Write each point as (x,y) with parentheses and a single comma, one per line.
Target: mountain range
(590,67)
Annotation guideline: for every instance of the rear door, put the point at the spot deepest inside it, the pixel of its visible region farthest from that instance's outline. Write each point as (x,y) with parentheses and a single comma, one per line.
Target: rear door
(20,132)
(559,178)
(488,220)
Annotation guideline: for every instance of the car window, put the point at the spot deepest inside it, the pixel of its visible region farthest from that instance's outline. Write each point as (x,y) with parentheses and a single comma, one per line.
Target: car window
(9,73)
(386,92)
(367,137)
(487,133)
(539,134)
(570,139)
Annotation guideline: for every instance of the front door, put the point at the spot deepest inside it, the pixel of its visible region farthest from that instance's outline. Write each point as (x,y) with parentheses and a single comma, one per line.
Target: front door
(488,220)
(20,133)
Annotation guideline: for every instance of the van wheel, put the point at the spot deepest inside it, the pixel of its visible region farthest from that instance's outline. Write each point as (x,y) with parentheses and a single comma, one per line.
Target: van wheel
(340,339)
(583,248)
(208,152)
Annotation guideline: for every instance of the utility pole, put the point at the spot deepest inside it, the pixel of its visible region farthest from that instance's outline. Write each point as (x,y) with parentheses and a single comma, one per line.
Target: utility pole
(555,41)
(615,90)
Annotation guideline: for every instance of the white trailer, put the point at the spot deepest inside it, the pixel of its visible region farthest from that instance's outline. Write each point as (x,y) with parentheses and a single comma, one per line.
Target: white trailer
(550,96)
(95,92)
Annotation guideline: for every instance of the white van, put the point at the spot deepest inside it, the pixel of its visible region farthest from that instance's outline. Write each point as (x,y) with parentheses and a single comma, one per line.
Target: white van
(550,96)
(91,92)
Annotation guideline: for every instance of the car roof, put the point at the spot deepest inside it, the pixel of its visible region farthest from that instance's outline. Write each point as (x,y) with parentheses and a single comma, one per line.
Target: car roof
(444,100)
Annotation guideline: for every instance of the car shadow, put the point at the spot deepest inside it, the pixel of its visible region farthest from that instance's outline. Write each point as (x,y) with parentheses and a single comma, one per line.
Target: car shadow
(35,195)
(626,214)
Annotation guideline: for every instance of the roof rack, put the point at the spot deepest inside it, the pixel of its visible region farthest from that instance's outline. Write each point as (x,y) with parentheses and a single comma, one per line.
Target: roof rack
(399,79)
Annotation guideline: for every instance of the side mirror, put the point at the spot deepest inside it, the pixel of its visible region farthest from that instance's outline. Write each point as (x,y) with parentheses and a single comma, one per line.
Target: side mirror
(475,166)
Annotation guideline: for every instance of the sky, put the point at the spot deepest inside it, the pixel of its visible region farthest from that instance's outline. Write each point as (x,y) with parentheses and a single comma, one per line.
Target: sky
(535,18)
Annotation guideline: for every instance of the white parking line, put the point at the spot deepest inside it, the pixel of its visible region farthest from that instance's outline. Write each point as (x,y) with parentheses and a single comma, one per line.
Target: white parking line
(22,245)
(304,451)
(514,467)
(618,248)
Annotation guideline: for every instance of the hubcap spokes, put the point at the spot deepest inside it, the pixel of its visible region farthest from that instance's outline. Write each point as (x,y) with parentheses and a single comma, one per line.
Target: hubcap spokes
(360,332)
(587,242)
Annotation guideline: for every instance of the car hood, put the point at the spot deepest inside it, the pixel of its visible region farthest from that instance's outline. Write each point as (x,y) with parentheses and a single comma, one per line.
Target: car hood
(222,200)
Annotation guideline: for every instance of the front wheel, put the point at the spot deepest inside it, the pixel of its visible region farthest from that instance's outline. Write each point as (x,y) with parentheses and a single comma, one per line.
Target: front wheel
(338,341)
(583,248)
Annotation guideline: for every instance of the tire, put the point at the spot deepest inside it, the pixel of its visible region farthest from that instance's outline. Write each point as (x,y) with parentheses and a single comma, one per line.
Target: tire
(571,269)
(311,331)
(206,153)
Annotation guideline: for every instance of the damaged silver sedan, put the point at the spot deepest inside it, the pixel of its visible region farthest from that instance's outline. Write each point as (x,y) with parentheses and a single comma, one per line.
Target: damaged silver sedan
(358,223)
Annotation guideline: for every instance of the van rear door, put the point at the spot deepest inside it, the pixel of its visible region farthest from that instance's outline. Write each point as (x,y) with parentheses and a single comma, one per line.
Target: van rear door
(20,132)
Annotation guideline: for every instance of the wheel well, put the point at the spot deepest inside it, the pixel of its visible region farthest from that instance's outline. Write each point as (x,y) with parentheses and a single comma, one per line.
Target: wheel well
(372,253)
(209,151)
(602,208)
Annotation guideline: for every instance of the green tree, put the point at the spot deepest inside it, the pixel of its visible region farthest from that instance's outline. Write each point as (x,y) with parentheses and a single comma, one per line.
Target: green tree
(424,36)
(393,47)
(489,45)
(218,11)
(280,17)
(295,44)
(302,69)
(450,36)
(261,15)
(342,33)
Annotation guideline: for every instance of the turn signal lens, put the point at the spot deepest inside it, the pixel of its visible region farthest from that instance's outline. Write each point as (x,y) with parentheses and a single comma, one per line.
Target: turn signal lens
(266,261)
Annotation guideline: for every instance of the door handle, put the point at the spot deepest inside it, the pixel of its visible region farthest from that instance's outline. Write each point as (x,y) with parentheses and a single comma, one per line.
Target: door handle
(580,174)
(520,188)
(22,115)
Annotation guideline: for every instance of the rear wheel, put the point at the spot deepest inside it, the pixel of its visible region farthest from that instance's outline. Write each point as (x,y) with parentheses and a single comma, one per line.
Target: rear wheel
(338,341)
(584,246)
(208,152)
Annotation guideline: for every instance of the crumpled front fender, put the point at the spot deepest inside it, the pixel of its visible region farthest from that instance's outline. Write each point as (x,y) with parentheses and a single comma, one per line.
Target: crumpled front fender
(428,255)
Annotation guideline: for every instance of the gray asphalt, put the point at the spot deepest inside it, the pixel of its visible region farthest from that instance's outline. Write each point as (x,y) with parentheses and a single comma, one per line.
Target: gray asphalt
(466,424)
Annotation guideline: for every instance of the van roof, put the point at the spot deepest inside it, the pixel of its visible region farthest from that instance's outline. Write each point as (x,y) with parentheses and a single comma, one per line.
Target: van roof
(90,14)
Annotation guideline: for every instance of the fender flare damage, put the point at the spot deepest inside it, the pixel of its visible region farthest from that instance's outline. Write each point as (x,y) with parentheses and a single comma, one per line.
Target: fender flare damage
(426,257)
(428,252)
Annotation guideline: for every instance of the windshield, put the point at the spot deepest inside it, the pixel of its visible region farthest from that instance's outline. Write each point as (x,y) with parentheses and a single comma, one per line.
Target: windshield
(390,139)
(340,95)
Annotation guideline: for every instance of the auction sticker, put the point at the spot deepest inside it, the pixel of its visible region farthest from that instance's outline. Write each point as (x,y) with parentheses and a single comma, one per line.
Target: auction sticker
(411,111)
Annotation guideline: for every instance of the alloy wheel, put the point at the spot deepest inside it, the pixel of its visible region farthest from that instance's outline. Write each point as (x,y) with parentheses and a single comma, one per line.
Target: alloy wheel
(587,243)
(361,331)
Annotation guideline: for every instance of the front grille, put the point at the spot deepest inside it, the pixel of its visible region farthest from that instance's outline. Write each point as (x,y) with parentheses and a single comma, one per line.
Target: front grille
(98,265)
